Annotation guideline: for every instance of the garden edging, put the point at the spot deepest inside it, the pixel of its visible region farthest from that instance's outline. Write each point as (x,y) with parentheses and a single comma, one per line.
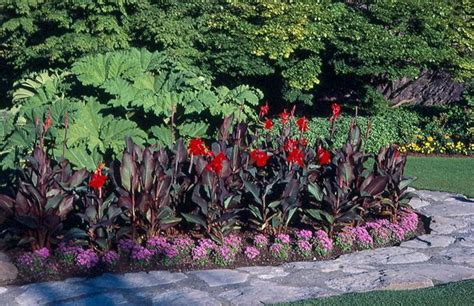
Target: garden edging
(444,255)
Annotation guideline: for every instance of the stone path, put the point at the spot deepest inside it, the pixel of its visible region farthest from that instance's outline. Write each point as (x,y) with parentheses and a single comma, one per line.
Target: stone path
(446,255)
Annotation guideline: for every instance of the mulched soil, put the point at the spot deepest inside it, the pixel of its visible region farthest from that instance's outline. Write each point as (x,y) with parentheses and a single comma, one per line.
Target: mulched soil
(124,266)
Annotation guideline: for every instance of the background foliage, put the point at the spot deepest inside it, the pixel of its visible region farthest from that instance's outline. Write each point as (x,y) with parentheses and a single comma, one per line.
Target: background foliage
(290,49)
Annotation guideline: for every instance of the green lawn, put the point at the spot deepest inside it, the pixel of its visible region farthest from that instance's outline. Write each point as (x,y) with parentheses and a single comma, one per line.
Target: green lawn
(443,174)
(460,293)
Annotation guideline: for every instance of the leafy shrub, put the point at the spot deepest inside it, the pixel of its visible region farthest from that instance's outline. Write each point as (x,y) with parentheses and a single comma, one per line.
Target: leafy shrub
(443,129)
(143,95)
(293,46)
(394,126)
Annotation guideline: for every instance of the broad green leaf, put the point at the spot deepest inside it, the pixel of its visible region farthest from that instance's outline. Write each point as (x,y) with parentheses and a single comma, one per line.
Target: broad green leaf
(193,129)
(163,134)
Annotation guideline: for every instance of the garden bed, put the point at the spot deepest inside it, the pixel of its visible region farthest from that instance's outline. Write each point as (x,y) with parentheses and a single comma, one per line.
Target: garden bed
(63,270)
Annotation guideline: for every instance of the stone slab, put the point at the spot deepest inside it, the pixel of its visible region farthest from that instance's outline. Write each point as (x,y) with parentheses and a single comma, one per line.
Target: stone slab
(8,272)
(265,272)
(429,241)
(441,273)
(357,283)
(260,292)
(418,203)
(100,299)
(136,280)
(221,277)
(450,209)
(384,256)
(184,297)
(442,225)
(459,255)
(51,292)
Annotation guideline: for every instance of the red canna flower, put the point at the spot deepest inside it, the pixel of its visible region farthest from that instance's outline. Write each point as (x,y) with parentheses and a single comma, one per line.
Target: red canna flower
(264,110)
(296,157)
(302,124)
(215,164)
(268,124)
(336,111)
(284,117)
(48,122)
(97,178)
(260,157)
(324,156)
(290,145)
(197,147)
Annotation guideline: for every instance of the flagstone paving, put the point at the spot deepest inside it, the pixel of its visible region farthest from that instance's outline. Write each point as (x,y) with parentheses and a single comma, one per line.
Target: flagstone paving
(445,255)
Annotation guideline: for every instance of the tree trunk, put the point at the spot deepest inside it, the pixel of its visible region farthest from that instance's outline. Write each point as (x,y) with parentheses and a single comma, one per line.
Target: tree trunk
(430,88)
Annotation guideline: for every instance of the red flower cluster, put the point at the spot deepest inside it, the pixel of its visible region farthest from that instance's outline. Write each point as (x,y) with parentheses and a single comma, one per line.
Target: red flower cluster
(259,157)
(290,145)
(215,165)
(336,111)
(302,124)
(324,156)
(98,179)
(197,147)
(264,109)
(268,124)
(284,117)
(48,122)
(296,156)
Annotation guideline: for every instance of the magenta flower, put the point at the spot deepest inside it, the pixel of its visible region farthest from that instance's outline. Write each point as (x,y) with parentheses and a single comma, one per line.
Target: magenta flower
(260,241)
(304,247)
(87,259)
(110,258)
(362,237)
(43,253)
(141,254)
(322,243)
(304,234)
(283,238)
(251,252)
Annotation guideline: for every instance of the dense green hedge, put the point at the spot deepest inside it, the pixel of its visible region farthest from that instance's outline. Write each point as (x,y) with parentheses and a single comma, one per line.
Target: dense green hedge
(291,49)
(396,126)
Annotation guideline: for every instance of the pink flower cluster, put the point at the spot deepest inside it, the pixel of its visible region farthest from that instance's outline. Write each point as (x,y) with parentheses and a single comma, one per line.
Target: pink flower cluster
(26,260)
(283,238)
(87,259)
(304,234)
(362,237)
(224,255)
(322,243)
(157,244)
(110,258)
(126,245)
(344,240)
(141,254)
(233,241)
(380,231)
(201,252)
(409,221)
(183,244)
(260,241)
(251,252)
(304,247)
(42,253)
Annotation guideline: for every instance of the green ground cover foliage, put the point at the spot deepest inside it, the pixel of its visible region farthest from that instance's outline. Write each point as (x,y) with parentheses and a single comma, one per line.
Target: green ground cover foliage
(450,294)
(442,173)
